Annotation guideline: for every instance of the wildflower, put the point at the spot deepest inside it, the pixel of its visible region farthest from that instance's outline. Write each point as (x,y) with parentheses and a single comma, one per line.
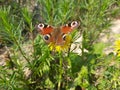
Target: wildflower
(117,47)
(63,47)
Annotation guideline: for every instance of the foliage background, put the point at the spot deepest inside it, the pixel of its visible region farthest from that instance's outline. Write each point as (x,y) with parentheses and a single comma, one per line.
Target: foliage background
(30,65)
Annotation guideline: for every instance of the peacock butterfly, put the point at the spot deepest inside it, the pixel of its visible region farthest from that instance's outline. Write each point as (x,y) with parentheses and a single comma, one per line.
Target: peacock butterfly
(56,35)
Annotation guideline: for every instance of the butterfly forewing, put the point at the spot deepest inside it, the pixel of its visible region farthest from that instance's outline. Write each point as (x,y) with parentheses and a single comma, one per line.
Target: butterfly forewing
(44,29)
(70,27)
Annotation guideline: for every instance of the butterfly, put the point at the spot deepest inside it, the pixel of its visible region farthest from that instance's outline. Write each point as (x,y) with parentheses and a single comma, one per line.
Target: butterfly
(56,35)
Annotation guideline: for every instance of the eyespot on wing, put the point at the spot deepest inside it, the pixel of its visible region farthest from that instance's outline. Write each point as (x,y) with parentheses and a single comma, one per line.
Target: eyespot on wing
(70,27)
(44,29)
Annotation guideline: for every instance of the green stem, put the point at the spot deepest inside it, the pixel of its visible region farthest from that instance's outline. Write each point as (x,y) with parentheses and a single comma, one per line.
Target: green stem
(21,51)
(61,72)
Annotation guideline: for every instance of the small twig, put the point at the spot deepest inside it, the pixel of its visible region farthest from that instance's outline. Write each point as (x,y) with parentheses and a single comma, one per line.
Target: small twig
(21,51)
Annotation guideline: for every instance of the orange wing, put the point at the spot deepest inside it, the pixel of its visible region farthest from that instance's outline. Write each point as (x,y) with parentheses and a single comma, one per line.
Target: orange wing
(44,29)
(70,27)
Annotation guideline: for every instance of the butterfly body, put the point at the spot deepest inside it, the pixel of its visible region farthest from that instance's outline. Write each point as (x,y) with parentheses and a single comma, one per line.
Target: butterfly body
(56,35)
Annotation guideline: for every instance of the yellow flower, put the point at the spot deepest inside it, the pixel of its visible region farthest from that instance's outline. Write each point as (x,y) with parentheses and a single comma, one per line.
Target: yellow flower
(117,47)
(63,47)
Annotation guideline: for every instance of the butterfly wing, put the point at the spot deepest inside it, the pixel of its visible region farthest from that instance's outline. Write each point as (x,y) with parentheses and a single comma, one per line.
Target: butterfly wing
(70,27)
(44,29)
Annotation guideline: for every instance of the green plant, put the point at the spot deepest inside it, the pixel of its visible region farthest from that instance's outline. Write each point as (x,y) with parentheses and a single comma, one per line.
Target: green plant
(91,70)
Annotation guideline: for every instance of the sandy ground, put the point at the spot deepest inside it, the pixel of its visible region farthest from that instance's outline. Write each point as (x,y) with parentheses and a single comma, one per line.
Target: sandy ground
(112,34)
(112,37)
